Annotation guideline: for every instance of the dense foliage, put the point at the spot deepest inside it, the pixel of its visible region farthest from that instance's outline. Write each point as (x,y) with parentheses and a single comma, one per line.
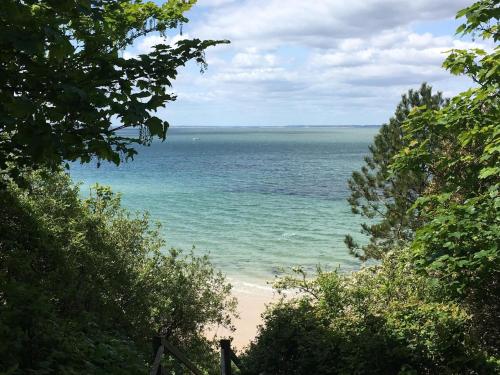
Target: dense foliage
(432,305)
(459,243)
(382,197)
(84,286)
(64,83)
(385,319)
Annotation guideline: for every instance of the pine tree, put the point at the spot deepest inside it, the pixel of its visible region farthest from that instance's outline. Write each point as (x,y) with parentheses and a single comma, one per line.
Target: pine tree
(383,197)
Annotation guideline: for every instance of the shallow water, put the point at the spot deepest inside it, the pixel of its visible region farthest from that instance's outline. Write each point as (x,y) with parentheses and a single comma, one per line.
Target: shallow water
(256,199)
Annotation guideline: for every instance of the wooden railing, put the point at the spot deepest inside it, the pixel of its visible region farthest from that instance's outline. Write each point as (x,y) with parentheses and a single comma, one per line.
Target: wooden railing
(226,357)
(161,346)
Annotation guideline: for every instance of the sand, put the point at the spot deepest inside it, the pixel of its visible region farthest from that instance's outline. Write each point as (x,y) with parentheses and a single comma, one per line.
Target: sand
(251,304)
(250,307)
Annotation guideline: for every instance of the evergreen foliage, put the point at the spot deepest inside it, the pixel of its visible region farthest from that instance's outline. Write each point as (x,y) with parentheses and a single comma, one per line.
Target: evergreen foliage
(84,285)
(382,197)
(459,242)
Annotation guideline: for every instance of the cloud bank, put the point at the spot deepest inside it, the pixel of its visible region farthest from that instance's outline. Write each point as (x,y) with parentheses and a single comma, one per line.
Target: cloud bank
(325,62)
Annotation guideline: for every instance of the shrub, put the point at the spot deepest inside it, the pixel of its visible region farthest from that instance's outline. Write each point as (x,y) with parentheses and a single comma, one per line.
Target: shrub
(84,284)
(384,319)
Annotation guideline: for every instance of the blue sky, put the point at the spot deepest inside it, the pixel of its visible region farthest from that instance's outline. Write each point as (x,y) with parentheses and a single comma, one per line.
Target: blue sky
(321,62)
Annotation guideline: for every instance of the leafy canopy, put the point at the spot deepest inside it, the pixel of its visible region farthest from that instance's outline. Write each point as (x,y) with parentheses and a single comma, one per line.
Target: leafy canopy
(433,146)
(460,146)
(64,83)
(459,242)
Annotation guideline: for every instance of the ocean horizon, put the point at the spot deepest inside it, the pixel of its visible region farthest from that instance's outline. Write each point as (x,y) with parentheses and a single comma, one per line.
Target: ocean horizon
(258,200)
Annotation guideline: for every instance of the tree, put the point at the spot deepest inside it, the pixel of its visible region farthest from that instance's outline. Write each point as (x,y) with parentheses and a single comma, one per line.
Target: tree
(64,83)
(384,198)
(85,284)
(459,241)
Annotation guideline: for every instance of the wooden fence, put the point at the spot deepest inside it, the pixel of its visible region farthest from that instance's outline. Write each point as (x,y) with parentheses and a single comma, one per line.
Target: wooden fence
(161,346)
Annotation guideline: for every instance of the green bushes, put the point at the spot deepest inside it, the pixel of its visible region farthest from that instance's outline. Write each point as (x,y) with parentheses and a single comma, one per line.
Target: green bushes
(84,285)
(459,146)
(384,319)
(294,341)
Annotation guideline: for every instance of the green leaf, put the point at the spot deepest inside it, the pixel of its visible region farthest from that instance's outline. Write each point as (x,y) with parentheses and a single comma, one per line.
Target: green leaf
(489,171)
(156,126)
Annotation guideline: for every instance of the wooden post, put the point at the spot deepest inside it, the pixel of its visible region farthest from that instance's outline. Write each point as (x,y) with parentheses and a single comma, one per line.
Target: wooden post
(225,357)
(156,345)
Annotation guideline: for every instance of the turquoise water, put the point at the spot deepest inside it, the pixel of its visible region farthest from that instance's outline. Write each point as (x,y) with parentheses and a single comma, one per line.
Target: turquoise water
(255,199)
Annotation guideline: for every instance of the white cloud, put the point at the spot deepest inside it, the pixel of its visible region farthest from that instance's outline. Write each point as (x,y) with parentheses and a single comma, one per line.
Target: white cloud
(330,61)
(145,45)
(252,58)
(318,23)
(213,3)
(407,48)
(356,63)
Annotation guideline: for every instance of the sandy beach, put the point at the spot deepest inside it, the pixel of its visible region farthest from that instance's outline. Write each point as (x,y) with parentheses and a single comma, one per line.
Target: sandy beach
(250,307)
(251,304)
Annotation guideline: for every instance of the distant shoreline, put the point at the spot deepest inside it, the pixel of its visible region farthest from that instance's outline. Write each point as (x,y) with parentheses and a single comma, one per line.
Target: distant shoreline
(276,126)
(262,127)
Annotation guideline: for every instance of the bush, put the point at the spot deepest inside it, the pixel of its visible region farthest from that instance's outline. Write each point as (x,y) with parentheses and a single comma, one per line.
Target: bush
(295,340)
(384,319)
(84,284)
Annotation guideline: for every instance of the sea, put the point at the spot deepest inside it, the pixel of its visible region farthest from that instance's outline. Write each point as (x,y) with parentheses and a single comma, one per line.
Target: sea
(258,200)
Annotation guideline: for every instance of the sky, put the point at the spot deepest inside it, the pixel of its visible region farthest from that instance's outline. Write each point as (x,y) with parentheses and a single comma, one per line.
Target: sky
(316,62)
